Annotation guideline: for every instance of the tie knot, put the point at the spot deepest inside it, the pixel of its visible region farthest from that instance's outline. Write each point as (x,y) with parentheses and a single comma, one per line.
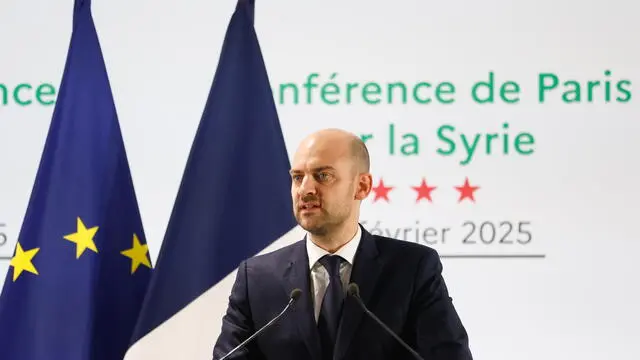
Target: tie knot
(332,264)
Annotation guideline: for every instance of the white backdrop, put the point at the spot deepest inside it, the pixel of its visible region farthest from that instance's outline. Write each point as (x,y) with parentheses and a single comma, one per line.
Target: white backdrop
(574,196)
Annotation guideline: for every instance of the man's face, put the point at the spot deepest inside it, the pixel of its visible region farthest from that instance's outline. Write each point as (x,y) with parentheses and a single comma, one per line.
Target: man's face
(324,186)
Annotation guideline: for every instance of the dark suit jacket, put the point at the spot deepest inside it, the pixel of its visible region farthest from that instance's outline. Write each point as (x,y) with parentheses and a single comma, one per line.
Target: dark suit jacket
(400,282)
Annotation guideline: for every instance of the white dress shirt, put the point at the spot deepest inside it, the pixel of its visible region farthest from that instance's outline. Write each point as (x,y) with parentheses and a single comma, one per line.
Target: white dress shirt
(320,276)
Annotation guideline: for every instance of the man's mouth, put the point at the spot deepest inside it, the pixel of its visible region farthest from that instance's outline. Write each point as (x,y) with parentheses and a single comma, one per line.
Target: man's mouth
(309,206)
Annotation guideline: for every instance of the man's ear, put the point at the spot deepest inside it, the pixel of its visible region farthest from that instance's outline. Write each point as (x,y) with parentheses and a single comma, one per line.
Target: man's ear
(364,184)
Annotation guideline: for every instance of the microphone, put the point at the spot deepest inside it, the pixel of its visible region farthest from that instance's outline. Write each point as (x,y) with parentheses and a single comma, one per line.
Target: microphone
(354,291)
(295,295)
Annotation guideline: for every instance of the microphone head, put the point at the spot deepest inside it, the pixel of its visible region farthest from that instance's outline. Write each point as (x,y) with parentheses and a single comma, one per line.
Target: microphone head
(295,294)
(353,290)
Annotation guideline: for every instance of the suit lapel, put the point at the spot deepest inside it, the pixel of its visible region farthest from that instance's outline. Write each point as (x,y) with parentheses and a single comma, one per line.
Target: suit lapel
(365,273)
(297,275)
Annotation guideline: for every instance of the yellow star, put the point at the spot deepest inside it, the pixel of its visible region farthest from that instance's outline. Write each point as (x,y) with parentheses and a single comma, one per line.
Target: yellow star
(83,238)
(22,261)
(137,254)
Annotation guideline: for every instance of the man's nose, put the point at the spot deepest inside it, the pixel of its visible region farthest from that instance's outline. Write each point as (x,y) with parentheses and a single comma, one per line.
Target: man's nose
(307,186)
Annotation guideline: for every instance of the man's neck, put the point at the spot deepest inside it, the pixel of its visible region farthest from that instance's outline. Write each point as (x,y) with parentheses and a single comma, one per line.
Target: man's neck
(334,241)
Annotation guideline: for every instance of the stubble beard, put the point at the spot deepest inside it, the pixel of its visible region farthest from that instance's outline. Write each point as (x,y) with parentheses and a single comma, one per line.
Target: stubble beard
(325,225)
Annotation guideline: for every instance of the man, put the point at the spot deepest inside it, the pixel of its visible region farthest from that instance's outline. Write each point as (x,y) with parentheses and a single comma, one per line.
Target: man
(400,282)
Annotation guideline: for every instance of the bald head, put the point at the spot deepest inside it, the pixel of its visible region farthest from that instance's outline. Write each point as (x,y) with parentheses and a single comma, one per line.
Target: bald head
(360,155)
(329,179)
(343,142)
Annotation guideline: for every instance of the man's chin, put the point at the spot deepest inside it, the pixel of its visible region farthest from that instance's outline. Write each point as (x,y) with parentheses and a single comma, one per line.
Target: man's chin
(312,227)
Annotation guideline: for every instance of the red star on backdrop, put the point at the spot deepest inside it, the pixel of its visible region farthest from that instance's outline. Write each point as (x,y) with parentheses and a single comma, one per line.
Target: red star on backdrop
(466,191)
(424,191)
(382,192)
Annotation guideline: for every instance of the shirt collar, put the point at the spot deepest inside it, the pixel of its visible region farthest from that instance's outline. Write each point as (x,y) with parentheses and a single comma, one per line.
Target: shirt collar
(347,252)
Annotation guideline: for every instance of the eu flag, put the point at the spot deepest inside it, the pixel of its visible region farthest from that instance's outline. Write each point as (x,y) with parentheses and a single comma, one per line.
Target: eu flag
(234,202)
(80,267)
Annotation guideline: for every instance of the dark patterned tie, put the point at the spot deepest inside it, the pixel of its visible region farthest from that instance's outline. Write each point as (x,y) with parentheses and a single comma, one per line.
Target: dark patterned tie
(331,306)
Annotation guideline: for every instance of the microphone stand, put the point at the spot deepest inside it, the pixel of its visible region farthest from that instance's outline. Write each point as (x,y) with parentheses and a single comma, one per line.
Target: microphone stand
(354,291)
(295,294)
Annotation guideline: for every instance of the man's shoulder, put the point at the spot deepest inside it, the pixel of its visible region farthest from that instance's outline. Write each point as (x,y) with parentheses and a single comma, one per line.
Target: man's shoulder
(403,248)
(288,252)
(401,245)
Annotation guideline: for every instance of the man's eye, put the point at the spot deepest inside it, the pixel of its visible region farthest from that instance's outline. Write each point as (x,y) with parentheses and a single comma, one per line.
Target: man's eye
(323,176)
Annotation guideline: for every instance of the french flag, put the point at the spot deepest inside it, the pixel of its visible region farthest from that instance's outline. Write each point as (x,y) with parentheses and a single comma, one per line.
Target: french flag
(234,202)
